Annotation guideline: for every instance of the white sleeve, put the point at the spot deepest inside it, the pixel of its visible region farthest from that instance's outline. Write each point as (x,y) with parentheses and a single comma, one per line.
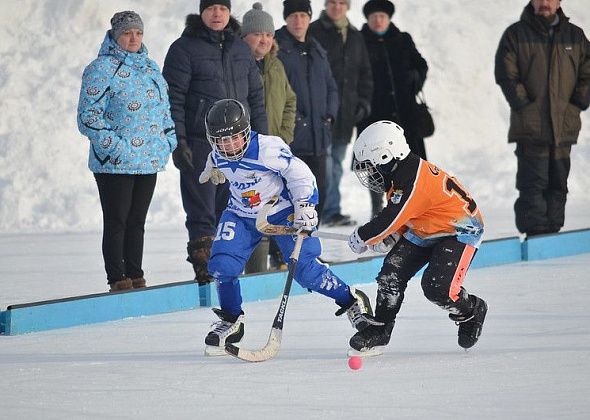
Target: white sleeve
(299,180)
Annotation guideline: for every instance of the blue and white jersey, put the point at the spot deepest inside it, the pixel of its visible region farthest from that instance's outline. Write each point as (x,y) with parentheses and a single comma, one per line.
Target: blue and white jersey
(268,168)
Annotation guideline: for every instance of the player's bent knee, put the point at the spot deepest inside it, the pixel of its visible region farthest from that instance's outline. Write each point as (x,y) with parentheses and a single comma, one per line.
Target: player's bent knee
(436,293)
(309,274)
(221,266)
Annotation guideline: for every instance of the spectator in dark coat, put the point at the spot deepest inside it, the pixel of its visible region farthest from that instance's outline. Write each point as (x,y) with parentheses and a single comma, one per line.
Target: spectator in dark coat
(207,63)
(543,68)
(308,70)
(351,69)
(399,72)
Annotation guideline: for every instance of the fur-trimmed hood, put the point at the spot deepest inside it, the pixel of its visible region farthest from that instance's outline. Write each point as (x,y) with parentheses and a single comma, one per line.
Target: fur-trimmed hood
(194,26)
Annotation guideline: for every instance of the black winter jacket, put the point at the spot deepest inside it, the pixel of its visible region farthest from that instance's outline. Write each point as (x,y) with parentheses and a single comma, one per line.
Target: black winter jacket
(203,66)
(399,72)
(352,71)
(309,74)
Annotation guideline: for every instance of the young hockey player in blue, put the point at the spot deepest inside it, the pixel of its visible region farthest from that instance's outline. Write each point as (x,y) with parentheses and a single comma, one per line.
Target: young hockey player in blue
(259,167)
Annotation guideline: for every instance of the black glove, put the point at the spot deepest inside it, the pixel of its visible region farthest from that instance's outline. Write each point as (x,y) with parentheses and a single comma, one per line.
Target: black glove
(183,156)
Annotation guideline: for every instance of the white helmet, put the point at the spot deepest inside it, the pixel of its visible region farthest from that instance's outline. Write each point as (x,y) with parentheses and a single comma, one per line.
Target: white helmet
(378,144)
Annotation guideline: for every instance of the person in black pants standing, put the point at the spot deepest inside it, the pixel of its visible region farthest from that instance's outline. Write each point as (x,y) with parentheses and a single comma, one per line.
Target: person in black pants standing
(125,113)
(399,72)
(351,68)
(308,69)
(543,68)
(207,63)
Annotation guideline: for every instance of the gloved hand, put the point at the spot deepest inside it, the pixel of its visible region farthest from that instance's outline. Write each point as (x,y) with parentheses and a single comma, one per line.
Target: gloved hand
(306,217)
(211,173)
(183,156)
(386,245)
(355,243)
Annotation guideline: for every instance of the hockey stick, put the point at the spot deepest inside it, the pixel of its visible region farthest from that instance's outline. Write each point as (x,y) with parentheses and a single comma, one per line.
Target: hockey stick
(273,344)
(264,226)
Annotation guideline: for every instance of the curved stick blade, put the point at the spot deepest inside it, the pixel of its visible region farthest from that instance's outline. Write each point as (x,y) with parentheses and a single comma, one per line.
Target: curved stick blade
(270,350)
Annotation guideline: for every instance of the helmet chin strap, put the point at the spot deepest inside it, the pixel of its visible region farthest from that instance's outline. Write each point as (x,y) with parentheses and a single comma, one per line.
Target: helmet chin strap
(386,171)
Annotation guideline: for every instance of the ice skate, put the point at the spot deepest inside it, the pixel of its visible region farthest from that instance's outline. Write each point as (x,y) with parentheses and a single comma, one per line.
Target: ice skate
(470,326)
(229,329)
(371,340)
(359,311)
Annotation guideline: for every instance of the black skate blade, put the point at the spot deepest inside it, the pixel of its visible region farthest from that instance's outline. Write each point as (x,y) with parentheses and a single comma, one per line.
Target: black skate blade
(374,351)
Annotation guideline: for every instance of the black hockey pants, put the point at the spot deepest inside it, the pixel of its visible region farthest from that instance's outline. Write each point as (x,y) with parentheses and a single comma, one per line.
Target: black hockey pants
(442,280)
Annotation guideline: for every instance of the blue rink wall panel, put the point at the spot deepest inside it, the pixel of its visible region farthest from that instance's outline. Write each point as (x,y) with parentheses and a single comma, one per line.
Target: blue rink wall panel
(61,313)
(81,310)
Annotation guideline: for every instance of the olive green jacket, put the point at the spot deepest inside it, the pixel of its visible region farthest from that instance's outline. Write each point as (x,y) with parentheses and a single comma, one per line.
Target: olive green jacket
(279,99)
(546,80)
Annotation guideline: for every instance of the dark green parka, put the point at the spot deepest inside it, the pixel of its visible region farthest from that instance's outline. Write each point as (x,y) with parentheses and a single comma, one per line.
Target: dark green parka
(545,79)
(279,99)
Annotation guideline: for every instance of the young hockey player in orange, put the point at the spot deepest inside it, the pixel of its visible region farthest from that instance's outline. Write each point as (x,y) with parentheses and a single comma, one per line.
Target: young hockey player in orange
(430,219)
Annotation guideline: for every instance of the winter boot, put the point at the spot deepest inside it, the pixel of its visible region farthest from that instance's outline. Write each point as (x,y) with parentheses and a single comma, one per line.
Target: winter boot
(359,311)
(228,330)
(138,282)
(470,326)
(123,284)
(199,251)
(371,338)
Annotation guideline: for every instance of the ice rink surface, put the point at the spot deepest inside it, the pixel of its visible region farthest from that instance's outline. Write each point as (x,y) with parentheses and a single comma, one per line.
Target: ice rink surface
(532,361)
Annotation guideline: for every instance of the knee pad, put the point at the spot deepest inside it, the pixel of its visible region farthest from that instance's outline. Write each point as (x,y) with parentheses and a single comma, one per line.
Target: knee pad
(436,292)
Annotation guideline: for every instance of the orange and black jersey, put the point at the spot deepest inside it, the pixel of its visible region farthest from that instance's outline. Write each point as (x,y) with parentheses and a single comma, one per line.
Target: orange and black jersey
(424,203)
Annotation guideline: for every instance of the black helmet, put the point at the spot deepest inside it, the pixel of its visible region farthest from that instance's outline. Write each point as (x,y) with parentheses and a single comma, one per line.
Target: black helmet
(226,119)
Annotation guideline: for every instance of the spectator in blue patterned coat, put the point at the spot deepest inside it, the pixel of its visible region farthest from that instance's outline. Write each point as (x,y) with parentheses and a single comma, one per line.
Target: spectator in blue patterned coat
(125,113)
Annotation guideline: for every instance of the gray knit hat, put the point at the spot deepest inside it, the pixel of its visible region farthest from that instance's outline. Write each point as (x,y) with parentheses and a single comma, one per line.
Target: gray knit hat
(257,20)
(347,2)
(123,21)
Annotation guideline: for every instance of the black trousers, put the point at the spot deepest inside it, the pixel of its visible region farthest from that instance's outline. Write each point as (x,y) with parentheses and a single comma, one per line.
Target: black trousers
(442,281)
(203,203)
(318,166)
(541,180)
(125,200)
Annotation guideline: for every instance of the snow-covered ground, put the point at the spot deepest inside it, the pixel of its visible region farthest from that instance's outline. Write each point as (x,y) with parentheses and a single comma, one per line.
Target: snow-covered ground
(45,185)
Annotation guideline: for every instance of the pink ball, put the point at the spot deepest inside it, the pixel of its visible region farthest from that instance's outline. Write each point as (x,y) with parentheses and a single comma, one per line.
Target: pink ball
(355,362)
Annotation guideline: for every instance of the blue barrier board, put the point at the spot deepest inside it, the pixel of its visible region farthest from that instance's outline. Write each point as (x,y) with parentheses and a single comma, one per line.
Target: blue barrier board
(81,310)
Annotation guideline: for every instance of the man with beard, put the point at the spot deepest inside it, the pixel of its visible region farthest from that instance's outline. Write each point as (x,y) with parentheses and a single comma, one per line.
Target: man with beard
(543,68)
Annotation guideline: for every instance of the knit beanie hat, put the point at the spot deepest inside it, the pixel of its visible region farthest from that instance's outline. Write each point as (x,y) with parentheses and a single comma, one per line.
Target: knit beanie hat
(373,6)
(347,2)
(257,20)
(207,3)
(123,21)
(292,6)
